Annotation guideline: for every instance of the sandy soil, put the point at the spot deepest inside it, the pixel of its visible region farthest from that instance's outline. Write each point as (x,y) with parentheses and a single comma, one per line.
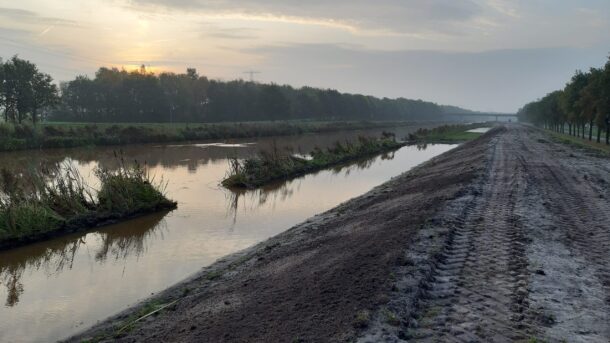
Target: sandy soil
(506,238)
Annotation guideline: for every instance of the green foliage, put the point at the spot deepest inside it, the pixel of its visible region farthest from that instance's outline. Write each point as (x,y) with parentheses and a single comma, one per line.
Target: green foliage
(275,165)
(115,95)
(583,104)
(129,190)
(24,91)
(445,133)
(66,135)
(44,202)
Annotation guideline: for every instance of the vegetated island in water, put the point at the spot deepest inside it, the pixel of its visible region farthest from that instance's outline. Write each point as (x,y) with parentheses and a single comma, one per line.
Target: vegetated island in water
(275,165)
(455,133)
(44,204)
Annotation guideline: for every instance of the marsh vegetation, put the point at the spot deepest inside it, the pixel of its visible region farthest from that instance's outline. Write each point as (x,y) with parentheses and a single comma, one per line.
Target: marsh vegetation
(43,203)
(445,134)
(274,165)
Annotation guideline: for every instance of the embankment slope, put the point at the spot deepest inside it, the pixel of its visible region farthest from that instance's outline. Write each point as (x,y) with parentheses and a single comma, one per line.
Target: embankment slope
(504,238)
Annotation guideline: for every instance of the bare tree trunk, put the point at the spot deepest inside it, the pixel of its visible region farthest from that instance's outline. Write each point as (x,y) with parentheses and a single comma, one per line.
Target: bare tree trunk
(34,116)
(590,129)
(608,130)
(599,133)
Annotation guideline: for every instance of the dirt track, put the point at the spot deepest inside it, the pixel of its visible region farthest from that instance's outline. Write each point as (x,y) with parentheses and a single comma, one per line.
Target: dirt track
(504,239)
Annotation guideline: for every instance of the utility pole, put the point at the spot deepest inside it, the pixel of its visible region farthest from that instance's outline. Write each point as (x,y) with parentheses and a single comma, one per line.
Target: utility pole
(251,73)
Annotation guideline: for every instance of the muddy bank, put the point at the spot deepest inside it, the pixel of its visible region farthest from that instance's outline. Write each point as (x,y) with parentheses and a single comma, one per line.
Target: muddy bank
(502,239)
(525,256)
(313,281)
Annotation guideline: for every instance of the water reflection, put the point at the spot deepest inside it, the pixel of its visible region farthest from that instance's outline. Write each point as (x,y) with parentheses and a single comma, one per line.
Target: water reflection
(114,242)
(280,191)
(192,156)
(56,288)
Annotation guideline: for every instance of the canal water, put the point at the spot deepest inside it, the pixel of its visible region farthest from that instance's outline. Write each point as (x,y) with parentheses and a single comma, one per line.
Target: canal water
(53,289)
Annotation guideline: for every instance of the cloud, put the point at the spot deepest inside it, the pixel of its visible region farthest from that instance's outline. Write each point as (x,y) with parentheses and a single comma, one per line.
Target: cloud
(358,16)
(30,17)
(239,33)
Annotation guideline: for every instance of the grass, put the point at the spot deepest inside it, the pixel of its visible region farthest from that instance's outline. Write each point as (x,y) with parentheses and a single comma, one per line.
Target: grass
(67,135)
(580,142)
(362,319)
(391,318)
(446,134)
(129,324)
(275,165)
(45,203)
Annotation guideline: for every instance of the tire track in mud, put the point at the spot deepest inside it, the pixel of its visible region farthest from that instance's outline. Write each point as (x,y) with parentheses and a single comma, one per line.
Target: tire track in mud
(479,288)
(571,240)
(530,255)
(504,240)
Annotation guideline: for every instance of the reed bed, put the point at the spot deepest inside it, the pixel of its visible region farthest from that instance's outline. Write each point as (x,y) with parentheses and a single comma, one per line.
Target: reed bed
(277,165)
(43,203)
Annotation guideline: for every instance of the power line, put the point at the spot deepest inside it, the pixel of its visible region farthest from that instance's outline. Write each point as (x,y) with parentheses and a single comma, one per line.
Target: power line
(251,73)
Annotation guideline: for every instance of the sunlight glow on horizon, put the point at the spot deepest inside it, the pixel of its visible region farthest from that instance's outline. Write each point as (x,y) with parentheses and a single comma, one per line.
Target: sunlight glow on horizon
(302,45)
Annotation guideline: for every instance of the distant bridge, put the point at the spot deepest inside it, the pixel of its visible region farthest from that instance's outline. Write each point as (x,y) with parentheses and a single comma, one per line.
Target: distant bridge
(488,115)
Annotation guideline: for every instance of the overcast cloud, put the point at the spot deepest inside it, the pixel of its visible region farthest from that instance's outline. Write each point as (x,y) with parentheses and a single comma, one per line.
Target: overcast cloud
(480,54)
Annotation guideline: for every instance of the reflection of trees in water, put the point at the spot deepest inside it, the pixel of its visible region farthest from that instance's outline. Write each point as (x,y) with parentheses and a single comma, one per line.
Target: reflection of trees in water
(117,242)
(422,146)
(253,199)
(132,241)
(171,157)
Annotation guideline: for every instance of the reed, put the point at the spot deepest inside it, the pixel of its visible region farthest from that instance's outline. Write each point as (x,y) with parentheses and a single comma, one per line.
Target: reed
(43,203)
(277,165)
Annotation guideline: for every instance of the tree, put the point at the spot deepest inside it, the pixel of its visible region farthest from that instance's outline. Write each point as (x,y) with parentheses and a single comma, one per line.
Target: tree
(604,103)
(140,96)
(25,90)
(44,94)
(585,100)
(570,100)
(2,86)
(273,103)
(590,97)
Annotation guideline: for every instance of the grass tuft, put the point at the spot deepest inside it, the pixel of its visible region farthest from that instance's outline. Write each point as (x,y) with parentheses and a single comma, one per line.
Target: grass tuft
(362,319)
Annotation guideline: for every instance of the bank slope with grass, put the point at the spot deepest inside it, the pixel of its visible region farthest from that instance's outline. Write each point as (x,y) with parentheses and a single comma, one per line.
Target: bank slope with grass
(46,204)
(67,135)
(268,167)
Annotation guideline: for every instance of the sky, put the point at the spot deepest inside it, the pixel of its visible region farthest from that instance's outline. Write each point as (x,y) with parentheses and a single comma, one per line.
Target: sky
(487,55)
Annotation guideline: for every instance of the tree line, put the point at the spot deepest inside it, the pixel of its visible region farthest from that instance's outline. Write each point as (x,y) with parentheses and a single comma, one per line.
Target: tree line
(25,91)
(582,106)
(116,95)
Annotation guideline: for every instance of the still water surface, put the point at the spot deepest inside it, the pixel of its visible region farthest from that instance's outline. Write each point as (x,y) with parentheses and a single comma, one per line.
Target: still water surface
(53,289)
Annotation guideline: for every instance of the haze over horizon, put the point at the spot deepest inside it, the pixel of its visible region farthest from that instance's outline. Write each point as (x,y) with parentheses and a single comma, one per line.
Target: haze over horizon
(489,55)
